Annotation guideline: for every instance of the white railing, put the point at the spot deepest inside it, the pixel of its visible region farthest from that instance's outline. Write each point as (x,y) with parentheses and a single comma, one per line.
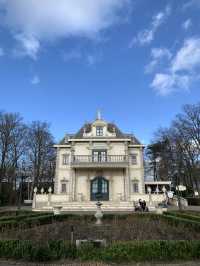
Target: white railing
(104,159)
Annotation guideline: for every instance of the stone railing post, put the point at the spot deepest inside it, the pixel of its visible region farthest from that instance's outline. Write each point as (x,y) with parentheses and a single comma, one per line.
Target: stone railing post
(34,198)
(49,196)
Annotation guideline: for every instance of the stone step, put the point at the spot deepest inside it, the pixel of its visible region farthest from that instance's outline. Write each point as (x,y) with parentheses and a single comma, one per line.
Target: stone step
(90,205)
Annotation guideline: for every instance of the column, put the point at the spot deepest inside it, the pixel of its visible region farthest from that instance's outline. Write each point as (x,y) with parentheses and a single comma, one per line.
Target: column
(111,187)
(127,178)
(56,185)
(74,186)
(142,170)
(88,187)
(127,183)
(72,175)
(71,185)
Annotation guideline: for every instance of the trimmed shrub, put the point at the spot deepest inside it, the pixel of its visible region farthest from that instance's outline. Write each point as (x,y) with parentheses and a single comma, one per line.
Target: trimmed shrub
(14,213)
(190,216)
(176,221)
(20,217)
(133,251)
(193,201)
(150,251)
(36,219)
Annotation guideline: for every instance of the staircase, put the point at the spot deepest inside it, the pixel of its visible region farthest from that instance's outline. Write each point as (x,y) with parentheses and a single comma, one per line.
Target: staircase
(89,206)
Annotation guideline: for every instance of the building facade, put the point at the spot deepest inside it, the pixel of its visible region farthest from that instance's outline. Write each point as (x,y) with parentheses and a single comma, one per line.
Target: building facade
(98,163)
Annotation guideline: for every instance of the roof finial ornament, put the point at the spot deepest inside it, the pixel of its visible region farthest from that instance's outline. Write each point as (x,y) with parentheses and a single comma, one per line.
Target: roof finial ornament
(98,115)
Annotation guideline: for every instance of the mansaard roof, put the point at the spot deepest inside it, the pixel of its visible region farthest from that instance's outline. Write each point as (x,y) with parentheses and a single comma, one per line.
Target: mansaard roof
(111,127)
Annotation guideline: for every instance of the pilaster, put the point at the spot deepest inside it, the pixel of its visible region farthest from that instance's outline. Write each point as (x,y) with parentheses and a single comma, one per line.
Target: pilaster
(88,187)
(74,185)
(127,176)
(56,186)
(111,187)
(142,170)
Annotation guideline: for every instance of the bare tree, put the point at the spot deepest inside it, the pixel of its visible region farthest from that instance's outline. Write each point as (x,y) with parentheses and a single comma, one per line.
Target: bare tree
(179,148)
(10,128)
(41,152)
(25,151)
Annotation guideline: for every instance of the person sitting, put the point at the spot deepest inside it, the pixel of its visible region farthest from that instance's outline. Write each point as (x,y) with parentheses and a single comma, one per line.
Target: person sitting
(138,205)
(144,206)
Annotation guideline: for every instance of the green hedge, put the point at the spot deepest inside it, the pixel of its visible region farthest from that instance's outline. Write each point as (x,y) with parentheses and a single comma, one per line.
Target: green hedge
(193,201)
(133,251)
(20,217)
(176,221)
(37,219)
(184,215)
(31,251)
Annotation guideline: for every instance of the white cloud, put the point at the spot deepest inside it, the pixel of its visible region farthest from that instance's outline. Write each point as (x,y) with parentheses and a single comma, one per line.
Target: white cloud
(187,24)
(27,46)
(164,84)
(157,55)
(2,51)
(182,71)
(53,19)
(146,36)
(188,57)
(90,59)
(35,80)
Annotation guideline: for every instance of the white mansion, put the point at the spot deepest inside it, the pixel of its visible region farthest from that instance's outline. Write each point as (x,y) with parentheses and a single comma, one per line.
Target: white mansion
(99,162)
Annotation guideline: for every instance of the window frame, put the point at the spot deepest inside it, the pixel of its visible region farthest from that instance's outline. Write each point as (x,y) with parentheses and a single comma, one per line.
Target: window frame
(65,159)
(99,131)
(133,158)
(134,186)
(66,184)
(99,156)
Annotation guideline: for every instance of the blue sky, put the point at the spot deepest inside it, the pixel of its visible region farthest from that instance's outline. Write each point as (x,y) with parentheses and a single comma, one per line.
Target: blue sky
(136,60)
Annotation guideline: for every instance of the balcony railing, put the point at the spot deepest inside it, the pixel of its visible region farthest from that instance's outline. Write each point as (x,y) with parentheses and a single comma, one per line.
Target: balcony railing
(99,160)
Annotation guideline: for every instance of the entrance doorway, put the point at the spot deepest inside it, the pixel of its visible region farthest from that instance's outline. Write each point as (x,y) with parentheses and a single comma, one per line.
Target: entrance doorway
(99,189)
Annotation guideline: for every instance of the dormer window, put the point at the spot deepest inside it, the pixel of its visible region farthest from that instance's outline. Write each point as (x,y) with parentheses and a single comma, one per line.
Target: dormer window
(99,131)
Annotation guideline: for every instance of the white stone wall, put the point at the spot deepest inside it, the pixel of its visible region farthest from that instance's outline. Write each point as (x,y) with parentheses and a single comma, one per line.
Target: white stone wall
(79,180)
(114,176)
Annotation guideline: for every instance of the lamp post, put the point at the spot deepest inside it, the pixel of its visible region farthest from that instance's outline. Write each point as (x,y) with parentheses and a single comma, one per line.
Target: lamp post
(22,175)
(164,190)
(150,197)
(179,188)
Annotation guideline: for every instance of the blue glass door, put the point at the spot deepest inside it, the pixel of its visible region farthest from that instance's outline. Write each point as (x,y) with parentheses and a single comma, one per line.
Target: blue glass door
(99,189)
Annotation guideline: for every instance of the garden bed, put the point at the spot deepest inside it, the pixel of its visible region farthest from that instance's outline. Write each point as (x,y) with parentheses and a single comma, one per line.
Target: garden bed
(132,251)
(121,228)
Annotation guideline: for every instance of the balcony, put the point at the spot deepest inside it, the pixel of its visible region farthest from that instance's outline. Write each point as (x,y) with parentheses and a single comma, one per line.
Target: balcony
(108,161)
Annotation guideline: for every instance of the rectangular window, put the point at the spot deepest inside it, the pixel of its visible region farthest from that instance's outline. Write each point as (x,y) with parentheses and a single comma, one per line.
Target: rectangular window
(99,131)
(134,158)
(99,156)
(64,187)
(65,159)
(135,187)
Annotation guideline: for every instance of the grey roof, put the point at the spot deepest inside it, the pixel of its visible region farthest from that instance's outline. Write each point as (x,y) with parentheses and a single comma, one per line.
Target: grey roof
(111,128)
